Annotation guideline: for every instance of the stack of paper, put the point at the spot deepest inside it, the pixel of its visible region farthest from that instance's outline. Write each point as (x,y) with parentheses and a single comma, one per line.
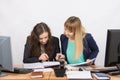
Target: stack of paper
(44,70)
(79,75)
(51,63)
(41,65)
(33,65)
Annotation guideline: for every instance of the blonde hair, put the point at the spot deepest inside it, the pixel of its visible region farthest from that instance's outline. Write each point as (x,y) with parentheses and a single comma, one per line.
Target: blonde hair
(73,24)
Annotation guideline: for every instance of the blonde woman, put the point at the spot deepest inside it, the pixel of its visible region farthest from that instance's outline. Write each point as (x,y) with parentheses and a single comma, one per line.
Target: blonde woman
(77,45)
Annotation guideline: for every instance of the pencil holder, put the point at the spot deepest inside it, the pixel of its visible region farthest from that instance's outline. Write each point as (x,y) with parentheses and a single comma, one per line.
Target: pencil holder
(59,72)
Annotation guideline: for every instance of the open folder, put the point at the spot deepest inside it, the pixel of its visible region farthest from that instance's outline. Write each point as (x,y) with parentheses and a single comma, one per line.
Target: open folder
(83,63)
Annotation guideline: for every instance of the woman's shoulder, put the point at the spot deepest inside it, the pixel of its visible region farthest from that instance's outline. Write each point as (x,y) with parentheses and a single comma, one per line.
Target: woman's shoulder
(28,38)
(62,36)
(88,35)
(54,38)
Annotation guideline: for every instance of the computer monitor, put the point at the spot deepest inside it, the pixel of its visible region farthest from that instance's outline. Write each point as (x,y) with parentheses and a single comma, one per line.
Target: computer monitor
(6,62)
(112,54)
(5,54)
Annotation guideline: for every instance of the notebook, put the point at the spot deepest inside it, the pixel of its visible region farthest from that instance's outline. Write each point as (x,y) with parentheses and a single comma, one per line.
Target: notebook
(37,74)
(101,76)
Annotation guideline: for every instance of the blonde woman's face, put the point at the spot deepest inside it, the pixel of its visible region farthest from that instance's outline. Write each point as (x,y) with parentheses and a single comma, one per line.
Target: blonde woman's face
(43,38)
(69,34)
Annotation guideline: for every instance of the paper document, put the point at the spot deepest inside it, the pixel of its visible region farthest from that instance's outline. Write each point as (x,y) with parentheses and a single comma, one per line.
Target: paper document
(83,63)
(78,68)
(44,70)
(51,63)
(33,65)
(41,64)
(78,75)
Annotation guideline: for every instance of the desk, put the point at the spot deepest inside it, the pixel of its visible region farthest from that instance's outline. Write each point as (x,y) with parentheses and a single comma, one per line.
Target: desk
(13,76)
(47,76)
(53,77)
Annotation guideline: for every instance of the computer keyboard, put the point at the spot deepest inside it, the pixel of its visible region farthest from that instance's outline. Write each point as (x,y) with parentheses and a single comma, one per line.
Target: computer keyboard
(105,70)
(19,70)
(22,70)
(114,73)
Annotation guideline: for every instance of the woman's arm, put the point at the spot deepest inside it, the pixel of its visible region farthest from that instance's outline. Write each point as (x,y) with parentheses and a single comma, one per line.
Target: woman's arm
(64,42)
(92,46)
(27,54)
(56,47)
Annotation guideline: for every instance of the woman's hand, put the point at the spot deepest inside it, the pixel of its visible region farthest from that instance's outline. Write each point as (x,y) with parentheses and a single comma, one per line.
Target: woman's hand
(59,56)
(90,63)
(44,57)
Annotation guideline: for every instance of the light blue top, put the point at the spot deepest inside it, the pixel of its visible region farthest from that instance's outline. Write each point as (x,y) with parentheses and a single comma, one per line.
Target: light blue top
(70,54)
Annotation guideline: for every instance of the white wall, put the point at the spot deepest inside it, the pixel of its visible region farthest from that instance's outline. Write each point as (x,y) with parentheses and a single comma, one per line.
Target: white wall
(18,17)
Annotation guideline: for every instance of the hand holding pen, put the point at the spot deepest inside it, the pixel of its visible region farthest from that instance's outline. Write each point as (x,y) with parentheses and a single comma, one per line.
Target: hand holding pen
(59,56)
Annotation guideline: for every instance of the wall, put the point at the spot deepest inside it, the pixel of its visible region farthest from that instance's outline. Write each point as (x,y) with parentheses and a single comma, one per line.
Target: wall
(18,17)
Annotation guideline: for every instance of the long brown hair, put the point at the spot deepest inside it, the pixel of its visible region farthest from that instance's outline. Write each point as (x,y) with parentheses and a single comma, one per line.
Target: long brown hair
(73,24)
(34,39)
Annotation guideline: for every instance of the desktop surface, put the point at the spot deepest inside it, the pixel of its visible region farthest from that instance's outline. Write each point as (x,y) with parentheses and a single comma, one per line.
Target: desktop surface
(47,76)
(15,76)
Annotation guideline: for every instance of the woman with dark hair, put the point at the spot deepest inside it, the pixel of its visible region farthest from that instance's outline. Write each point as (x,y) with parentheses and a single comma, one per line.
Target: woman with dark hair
(41,45)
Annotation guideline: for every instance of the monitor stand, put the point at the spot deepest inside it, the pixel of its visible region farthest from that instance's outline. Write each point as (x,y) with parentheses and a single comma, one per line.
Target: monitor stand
(2,74)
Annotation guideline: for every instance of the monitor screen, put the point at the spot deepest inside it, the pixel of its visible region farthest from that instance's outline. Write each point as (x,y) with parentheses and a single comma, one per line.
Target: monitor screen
(5,53)
(112,54)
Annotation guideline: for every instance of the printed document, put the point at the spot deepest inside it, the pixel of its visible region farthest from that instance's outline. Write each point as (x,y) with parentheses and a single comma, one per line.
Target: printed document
(41,64)
(78,74)
(83,63)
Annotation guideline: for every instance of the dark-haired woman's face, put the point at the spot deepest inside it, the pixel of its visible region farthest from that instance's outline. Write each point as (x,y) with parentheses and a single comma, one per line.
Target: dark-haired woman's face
(43,38)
